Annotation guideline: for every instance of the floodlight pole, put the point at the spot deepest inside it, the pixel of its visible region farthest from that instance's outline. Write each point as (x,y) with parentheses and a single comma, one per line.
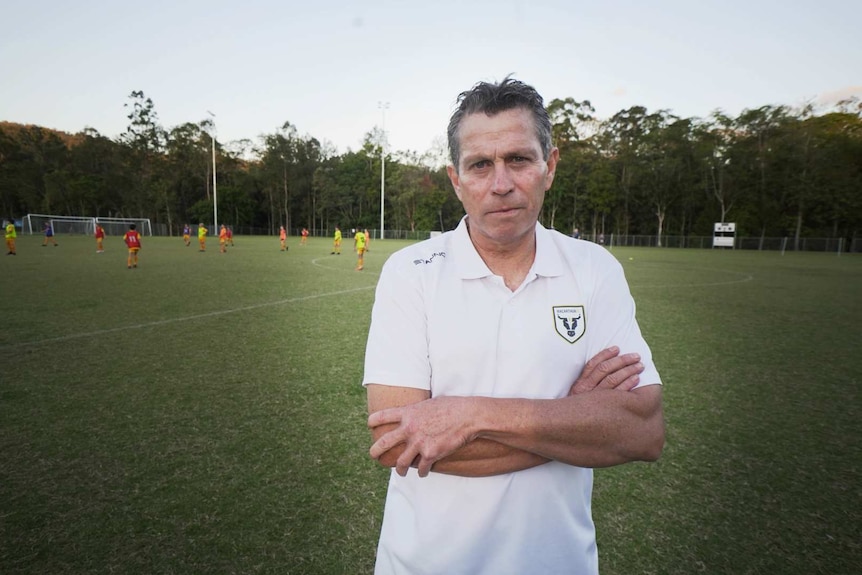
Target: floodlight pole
(383,106)
(215,194)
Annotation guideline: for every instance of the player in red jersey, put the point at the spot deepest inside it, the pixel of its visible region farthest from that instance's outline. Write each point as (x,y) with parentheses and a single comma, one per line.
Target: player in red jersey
(100,235)
(133,242)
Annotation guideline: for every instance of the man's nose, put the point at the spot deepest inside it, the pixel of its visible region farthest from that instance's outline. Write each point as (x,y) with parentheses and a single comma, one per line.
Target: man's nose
(503,181)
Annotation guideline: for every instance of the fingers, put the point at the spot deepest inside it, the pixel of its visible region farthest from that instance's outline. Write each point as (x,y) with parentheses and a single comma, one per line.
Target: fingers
(609,370)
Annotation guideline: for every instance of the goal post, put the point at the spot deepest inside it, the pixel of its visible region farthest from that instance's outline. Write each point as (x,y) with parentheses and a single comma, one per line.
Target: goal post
(83,225)
(35,224)
(119,226)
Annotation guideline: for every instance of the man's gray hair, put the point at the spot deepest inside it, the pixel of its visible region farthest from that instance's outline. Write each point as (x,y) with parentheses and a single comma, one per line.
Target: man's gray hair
(491,99)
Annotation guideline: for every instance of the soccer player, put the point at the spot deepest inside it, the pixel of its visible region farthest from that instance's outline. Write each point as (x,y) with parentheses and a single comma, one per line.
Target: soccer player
(187,234)
(359,246)
(49,235)
(133,242)
(222,239)
(229,236)
(336,242)
(282,237)
(100,236)
(367,239)
(11,234)
(304,239)
(202,237)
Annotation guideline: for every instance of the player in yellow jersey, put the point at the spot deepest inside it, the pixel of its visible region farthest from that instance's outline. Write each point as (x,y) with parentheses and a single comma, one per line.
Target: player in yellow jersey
(359,246)
(202,237)
(222,239)
(336,242)
(11,234)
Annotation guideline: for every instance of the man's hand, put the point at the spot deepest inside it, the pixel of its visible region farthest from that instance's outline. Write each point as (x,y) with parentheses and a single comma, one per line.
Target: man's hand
(430,430)
(609,370)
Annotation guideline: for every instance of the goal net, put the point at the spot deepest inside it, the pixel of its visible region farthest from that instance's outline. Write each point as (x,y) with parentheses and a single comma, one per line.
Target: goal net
(119,226)
(36,224)
(83,225)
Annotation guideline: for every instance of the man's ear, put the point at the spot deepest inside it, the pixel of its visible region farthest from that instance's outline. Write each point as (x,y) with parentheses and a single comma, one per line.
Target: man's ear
(553,158)
(455,179)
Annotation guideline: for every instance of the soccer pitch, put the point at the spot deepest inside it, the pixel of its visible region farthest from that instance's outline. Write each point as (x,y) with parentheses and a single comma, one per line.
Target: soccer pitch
(204,414)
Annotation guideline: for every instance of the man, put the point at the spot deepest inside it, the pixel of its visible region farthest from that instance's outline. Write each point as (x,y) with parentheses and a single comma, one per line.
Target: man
(367,239)
(11,236)
(304,239)
(100,238)
(282,238)
(504,362)
(202,237)
(359,248)
(336,242)
(133,242)
(230,236)
(187,234)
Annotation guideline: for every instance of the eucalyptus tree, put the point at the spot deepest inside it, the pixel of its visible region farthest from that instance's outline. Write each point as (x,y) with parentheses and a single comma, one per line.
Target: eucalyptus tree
(96,172)
(622,138)
(145,140)
(758,152)
(573,124)
(288,163)
(188,165)
(716,139)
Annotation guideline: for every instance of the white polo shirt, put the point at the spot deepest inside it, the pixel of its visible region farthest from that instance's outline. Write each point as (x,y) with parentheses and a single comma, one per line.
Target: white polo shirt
(443,322)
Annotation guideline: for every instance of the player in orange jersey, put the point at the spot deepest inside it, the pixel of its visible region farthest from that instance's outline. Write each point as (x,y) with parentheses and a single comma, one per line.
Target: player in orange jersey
(282,238)
(222,239)
(367,239)
(304,239)
(229,236)
(133,242)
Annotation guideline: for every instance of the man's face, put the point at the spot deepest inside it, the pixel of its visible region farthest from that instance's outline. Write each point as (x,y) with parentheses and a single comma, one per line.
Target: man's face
(502,177)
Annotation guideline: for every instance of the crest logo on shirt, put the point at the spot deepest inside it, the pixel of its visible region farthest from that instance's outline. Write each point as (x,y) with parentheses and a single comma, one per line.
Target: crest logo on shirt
(570,321)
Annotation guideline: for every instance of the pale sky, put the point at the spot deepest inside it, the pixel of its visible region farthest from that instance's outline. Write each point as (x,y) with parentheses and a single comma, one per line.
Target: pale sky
(324,66)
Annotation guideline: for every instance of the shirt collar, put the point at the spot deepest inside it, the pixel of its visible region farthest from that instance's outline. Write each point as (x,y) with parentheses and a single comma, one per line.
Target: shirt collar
(548,261)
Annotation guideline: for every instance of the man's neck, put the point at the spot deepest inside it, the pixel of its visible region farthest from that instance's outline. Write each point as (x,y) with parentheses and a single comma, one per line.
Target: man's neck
(512,261)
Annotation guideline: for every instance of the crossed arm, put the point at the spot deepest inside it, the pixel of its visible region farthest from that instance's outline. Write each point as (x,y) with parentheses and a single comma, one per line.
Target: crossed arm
(602,422)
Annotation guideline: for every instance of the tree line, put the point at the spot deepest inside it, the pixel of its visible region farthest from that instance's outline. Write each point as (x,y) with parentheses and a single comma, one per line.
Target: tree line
(776,171)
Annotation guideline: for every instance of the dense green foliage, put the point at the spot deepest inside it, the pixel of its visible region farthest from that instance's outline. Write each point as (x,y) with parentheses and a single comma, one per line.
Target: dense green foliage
(775,171)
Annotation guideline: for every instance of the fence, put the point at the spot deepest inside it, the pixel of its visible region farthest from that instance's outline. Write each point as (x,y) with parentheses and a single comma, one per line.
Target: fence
(833,245)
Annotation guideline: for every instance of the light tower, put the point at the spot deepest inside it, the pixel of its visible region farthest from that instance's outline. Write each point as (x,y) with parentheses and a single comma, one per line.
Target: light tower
(383,106)
(215,194)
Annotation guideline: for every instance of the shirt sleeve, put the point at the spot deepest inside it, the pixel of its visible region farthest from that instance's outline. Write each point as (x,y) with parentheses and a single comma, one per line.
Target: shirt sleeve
(397,349)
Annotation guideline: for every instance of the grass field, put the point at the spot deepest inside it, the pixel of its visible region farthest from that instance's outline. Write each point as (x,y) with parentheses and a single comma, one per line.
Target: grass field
(204,414)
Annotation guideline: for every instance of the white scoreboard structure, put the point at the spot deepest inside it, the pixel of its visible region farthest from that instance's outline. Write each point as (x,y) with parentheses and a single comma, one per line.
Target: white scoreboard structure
(724,235)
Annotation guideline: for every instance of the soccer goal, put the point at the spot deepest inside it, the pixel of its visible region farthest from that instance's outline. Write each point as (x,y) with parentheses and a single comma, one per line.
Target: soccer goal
(84,225)
(119,226)
(35,224)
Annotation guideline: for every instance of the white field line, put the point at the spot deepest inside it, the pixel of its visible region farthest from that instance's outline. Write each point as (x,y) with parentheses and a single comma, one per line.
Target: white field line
(184,318)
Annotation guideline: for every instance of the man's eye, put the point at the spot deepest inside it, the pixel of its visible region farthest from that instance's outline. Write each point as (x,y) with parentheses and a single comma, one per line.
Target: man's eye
(481,164)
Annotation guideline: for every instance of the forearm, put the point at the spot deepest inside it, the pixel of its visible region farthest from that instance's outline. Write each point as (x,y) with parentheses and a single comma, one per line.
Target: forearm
(479,458)
(598,429)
